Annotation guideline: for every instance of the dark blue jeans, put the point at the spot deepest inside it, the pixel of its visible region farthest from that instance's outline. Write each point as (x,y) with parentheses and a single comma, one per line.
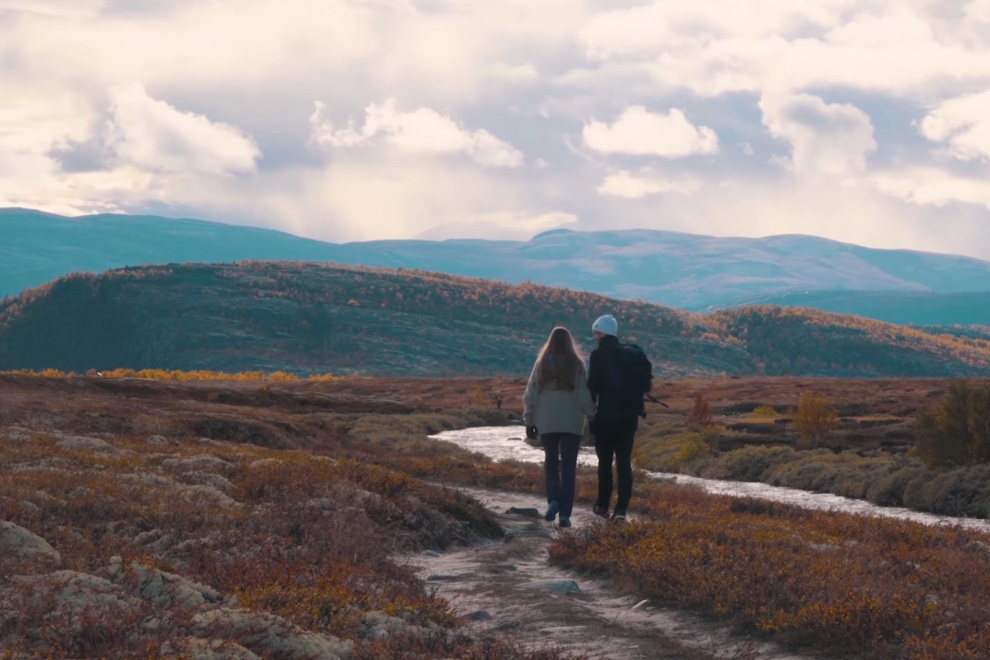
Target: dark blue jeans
(614,439)
(560,452)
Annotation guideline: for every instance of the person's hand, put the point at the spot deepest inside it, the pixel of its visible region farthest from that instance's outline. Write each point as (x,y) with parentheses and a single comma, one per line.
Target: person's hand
(532,432)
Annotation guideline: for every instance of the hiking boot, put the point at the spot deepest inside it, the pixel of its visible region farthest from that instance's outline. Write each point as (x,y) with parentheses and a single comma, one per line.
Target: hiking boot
(619,516)
(601,511)
(565,521)
(552,510)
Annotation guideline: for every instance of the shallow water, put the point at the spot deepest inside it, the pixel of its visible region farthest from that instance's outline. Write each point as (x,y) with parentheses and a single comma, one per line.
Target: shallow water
(507,442)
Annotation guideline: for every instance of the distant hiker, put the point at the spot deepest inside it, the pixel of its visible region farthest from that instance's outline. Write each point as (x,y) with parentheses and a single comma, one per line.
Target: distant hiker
(619,377)
(555,404)
(498,401)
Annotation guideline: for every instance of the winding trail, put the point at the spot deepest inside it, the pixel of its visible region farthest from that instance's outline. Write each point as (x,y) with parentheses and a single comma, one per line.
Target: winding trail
(508,586)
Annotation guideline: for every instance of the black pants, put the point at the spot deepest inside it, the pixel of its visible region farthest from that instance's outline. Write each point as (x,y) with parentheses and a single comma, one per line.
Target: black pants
(614,438)
(560,468)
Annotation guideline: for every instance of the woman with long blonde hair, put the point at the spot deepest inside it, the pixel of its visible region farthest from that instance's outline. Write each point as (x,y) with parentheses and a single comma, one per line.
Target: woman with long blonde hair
(555,404)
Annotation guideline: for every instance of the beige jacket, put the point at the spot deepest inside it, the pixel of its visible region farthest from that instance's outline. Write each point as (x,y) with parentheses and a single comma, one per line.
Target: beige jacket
(557,411)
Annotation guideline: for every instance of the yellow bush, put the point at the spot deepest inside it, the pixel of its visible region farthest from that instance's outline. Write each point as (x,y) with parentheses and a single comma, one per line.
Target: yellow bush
(814,419)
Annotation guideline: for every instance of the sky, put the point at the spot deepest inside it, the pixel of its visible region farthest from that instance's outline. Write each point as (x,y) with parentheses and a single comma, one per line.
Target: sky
(864,121)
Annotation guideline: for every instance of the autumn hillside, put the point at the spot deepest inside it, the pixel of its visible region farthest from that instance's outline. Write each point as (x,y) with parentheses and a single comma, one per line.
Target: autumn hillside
(317,318)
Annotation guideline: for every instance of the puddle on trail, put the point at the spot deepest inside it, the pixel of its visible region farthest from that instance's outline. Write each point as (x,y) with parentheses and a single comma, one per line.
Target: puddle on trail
(507,586)
(506,442)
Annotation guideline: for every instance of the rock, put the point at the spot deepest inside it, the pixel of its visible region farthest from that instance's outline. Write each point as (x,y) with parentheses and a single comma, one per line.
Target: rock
(479,615)
(556,587)
(160,587)
(527,513)
(201,463)
(436,577)
(84,443)
(430,553)
(378,625)
(268,635)
(207,649)
(75,600)
(160,440)
(25,545)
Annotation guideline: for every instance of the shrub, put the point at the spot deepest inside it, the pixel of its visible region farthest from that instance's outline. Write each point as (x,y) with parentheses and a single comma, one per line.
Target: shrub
(814,419)
(956,431)
(748,463)
(701,415)
(764,411)
(888,490)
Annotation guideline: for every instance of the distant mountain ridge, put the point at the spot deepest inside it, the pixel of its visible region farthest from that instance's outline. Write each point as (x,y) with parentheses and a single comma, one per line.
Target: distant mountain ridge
(318,318)
(692,272)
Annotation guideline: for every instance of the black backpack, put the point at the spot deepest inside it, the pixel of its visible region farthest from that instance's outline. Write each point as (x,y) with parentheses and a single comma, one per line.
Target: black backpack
(631,379)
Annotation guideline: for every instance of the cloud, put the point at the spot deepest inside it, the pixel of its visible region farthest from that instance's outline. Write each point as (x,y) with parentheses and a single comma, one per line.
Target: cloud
(522,73)
(723,46)
(422,130)
(504,225)
(929,186)
(829,139)
(640,132)
(962,122)
(501,118)
(646,182)
(154,136)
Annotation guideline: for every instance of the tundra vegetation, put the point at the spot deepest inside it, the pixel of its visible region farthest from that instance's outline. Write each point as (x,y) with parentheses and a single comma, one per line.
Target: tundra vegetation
(146,518)
(318,317)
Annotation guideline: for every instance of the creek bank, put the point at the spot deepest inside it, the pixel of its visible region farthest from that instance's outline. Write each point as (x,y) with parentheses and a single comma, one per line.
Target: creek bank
(505,443)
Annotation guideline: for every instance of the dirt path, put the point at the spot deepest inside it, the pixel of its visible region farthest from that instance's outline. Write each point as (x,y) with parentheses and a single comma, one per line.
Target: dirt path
(508,586)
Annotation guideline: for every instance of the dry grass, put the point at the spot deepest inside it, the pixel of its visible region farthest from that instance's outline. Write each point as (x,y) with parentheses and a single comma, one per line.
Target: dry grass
(283,505)
(863,586)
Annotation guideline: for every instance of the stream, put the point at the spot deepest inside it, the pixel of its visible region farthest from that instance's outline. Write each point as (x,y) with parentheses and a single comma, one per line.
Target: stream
(507,442)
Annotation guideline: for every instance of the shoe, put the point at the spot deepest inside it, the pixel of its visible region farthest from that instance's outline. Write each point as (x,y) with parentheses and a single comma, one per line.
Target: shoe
(552,510)
(619,516)
(600,510)
(565,521)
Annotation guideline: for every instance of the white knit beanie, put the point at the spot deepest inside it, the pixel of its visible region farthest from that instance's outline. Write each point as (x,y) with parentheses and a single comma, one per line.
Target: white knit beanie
(607,325)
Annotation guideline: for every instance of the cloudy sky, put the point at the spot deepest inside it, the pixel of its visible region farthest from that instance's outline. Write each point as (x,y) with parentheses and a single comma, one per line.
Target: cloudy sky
(866,121)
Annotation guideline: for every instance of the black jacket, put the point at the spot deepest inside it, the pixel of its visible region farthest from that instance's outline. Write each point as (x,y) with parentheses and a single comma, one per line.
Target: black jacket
(603,369)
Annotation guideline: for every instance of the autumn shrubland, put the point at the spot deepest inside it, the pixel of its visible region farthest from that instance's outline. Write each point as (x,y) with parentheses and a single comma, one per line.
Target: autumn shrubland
(162,518)
(317,317)
(148,519)
(860,587)
(854,437)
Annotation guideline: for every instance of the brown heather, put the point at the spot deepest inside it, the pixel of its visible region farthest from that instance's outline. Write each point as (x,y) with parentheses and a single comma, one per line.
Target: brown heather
(278,535)
(242,507)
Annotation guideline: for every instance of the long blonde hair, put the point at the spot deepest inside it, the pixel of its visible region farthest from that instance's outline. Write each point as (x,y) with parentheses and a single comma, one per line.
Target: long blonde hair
(559,361)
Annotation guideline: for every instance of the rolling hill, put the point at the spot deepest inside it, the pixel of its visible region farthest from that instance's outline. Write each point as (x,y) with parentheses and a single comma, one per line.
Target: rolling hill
(318,318)
(687,271)
(922,308)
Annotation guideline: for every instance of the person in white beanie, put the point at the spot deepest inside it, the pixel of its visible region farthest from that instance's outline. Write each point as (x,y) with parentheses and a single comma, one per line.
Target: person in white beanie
(555,404)
(617,417)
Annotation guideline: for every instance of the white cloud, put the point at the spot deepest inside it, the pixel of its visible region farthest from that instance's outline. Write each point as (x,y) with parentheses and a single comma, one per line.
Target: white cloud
(963,123)
(422,130)
(152,135)
(480,83)
(827,139)
(978,10)
(722,46)
(640,132)
(522,73)
(62,8)
(646,182)
(501,225)
(929,186)
(404,194)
